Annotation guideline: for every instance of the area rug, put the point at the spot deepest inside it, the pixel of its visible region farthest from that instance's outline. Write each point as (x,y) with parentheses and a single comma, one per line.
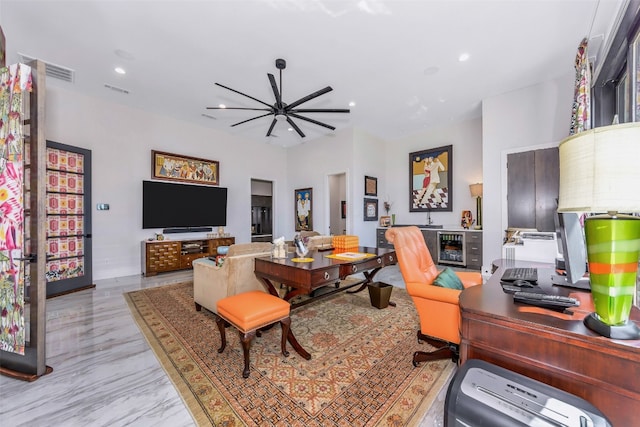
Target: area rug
(360,372)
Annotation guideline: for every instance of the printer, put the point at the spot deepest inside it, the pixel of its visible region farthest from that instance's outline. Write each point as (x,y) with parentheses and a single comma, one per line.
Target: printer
(535,246)
(483,394)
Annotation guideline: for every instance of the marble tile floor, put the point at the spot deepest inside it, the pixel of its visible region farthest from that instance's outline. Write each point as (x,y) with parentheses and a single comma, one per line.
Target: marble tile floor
(104,372)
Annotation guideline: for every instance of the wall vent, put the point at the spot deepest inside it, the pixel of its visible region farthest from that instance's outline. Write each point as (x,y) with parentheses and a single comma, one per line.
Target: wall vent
(116,89)
(52,70)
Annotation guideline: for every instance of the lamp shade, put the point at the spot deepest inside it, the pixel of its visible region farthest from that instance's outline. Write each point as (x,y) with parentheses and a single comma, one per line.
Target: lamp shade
(600,170)
(476,190)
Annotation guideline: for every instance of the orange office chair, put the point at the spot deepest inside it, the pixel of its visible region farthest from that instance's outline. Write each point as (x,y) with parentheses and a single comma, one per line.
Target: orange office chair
(437,306)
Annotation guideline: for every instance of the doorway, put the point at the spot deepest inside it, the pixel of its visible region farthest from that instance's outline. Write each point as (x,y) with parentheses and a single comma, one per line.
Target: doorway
(338,205)
(261,210)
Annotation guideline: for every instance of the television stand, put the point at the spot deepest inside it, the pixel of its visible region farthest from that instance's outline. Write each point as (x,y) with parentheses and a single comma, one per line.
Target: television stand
(161,256)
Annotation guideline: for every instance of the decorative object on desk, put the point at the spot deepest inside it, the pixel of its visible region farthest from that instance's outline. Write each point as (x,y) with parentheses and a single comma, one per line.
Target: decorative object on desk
(466,220)
(159,236)
(476,191)
(370,209)
(176,167)
(304,214)
(431,180)
(300,246)
(370,186)
(599,173)
(220,231)
(279,248)
(385,221)
(345,242)
(208,382)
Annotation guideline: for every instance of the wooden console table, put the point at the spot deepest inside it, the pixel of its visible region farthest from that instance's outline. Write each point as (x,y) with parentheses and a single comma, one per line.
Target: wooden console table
(304,277)
(160,256)
(551,347)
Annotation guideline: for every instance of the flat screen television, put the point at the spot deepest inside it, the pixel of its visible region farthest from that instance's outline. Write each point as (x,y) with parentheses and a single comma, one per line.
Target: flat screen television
(573,248)
(169,205)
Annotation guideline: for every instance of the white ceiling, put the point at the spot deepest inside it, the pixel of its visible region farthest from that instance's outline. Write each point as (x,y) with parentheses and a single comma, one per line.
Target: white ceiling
(397,60)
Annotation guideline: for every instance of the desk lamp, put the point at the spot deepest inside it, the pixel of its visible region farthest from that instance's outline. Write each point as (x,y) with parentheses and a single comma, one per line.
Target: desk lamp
(476,191)
(599,173)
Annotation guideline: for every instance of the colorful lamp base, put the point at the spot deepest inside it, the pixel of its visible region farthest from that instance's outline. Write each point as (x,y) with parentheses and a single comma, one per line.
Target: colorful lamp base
(626,331)
(613,246)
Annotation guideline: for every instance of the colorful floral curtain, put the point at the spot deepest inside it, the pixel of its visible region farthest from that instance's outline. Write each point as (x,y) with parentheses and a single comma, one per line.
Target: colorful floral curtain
(15,83)
(581,111)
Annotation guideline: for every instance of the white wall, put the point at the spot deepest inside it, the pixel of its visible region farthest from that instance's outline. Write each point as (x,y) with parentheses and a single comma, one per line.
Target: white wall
(121,140)
(466,138)
(534,117)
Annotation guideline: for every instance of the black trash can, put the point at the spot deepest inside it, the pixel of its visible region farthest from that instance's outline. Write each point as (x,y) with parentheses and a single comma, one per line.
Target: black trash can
(379,294)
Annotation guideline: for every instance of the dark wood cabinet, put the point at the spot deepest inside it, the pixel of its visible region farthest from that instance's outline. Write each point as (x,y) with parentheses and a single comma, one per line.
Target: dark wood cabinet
(472,244)
(532,189)
(161,256)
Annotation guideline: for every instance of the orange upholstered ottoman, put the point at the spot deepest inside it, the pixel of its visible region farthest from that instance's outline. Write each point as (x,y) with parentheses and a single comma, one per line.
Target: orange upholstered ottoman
(248,312)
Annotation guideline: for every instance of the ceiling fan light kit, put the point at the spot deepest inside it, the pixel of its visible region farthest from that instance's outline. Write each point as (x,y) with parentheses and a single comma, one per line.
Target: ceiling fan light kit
(282,111)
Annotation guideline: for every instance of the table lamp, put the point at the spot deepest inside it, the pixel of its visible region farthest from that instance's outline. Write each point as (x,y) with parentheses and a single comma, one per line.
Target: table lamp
(476,191)
(599,173)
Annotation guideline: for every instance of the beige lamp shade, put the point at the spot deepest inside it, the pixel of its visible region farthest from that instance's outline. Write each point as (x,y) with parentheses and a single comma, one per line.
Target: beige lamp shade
(600,170)
(476,190)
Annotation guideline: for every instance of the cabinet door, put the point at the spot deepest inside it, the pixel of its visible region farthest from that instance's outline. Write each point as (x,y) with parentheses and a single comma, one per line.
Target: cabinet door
(431,239)
(162,256)
(532,189)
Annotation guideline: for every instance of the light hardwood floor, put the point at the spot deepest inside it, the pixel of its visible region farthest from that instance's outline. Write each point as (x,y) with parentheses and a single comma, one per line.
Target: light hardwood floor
(104,373)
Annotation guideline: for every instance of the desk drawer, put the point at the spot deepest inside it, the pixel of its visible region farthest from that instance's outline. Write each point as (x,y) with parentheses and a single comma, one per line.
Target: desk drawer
(363,266)
(322,277)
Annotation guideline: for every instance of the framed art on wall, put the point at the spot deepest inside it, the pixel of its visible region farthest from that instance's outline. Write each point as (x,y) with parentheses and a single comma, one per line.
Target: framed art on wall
(176,167)
(370,209)
(370,186)
(304,214)
(430,180)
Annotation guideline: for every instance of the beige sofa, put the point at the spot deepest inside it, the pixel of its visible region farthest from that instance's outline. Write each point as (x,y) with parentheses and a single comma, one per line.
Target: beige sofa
(212,283)
(314,240)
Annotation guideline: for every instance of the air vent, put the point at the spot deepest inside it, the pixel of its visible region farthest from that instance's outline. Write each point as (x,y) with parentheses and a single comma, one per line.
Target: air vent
(208,116)
(116,89)
(52,70)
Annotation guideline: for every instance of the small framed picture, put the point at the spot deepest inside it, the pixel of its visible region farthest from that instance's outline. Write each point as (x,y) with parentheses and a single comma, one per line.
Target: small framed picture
(370,186)
(385,221)
(370,209)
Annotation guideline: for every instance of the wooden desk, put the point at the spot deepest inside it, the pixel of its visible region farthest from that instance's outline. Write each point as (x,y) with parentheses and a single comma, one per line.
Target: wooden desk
(551,347)
(304,277)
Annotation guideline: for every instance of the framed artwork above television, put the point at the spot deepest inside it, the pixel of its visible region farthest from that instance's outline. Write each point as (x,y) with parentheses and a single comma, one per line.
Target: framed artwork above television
(176,167)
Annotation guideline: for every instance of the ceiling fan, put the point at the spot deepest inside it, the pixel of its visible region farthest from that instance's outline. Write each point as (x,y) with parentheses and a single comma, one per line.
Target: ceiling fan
(282,111)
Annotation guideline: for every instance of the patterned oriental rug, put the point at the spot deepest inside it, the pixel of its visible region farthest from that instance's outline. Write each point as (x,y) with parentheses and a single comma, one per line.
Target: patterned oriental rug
(360,372)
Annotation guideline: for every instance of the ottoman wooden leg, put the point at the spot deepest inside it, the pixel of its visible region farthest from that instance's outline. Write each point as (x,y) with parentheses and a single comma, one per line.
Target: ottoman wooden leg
(286,325)
(222,324)
(246,344)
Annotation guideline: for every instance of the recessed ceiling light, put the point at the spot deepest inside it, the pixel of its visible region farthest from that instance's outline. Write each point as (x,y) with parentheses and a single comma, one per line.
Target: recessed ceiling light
(222,106)
(352,104)
(464,57)
(430,71)
(120,70)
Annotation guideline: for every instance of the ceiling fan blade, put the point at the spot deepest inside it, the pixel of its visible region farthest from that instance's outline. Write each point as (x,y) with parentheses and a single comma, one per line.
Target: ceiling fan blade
(243,94)
(293,125)
(309,97)
(276,92)
(315,122)
(273,123)
(239,108)
(248,120)
(320,110)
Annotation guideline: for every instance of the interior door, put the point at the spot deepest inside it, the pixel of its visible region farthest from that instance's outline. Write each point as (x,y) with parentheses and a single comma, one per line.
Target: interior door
(68,214)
